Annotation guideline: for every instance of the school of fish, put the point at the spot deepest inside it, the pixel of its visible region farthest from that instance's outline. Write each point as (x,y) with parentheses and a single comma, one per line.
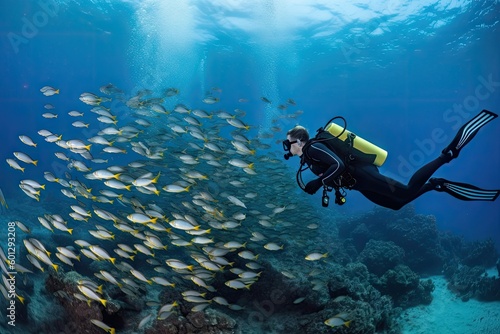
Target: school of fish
(169,198)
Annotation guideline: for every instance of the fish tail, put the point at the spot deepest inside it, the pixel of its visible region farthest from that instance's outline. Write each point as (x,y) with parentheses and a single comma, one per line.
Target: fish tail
(99,289)
(112,330)
(251,165)
(21,299)
(347,323)
(103,301)
(55,266)
(70,230)
(57,91)
(156,178)
(43,186)
(112,259)
(22,169)
(35,162)
(132,257)
(88,147)
(117,176)
(128,187)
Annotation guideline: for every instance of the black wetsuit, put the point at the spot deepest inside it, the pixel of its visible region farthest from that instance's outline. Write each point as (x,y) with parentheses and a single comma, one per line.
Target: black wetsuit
(378,188)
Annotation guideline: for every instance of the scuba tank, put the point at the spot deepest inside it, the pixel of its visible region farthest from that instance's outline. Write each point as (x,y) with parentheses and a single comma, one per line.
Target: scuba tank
(358,143)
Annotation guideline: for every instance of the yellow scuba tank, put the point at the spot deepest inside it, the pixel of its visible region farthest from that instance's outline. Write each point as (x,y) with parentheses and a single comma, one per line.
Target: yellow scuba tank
(358,143)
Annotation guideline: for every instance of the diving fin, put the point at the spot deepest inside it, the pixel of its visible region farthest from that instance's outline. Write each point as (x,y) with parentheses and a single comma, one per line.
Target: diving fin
(467,132)
(464,191)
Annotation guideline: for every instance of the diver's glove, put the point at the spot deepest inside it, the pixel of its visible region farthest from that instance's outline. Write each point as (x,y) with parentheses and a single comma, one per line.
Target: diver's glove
(313,186)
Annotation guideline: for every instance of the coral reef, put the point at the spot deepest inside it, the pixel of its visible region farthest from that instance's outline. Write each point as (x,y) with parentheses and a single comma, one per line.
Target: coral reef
(405,287)
(380,256)
(210,322)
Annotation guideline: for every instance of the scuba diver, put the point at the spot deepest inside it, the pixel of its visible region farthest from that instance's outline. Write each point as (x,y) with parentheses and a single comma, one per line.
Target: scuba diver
(342,160)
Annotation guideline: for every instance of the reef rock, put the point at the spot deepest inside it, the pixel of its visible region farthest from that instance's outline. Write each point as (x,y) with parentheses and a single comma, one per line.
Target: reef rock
(380,256)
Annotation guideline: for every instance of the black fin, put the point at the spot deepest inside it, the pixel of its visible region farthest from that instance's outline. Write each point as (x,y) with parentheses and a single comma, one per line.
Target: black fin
(464,191)
(467,132)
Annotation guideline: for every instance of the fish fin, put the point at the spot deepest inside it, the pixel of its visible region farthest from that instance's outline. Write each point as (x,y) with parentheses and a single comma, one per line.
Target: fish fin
(55,266)
(103,301)
(112,259)
(70,230)
(42,186)
(347,323)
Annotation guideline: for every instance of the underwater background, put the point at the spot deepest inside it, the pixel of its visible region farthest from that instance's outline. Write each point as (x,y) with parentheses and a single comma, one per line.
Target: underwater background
(395,71)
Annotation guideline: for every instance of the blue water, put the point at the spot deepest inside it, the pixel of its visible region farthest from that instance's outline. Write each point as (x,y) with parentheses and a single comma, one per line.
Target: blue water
(394,71)
(398,72)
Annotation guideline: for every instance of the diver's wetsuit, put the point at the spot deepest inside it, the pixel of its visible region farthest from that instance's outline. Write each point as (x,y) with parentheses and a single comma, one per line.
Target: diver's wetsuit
(379,189)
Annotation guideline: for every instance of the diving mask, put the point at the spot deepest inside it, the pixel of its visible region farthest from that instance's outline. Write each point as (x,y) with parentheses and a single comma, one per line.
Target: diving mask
(287,145)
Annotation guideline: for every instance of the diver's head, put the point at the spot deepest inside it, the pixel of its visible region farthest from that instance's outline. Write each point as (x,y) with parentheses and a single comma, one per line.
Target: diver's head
(296,138)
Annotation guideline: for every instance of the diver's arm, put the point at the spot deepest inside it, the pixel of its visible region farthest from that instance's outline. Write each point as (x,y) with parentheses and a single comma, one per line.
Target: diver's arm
(319,152)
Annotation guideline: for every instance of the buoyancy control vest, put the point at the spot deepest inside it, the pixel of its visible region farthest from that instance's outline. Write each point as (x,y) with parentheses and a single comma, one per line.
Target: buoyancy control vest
(348,146)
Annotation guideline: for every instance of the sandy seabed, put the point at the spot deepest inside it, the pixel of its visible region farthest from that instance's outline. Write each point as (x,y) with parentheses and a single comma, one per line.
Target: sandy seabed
(449,314)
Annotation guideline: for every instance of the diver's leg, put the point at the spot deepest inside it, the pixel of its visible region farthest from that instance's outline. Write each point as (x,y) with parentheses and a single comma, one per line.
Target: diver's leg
(424,173)
(379,199)
(387,192)
(378,188)
(467,132)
